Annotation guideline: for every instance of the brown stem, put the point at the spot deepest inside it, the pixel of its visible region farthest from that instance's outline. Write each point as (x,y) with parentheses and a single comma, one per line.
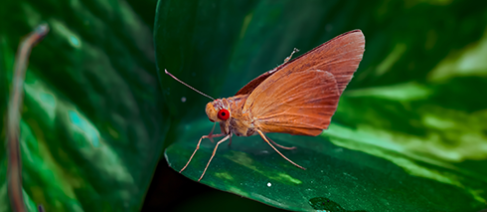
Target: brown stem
(15,102)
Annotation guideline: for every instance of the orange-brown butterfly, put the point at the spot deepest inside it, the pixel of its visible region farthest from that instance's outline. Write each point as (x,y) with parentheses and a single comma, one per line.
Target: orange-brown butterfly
(298,97)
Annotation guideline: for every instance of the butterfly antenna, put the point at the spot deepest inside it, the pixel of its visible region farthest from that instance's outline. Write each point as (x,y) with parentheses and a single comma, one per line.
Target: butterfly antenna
(290,56)
(194,89)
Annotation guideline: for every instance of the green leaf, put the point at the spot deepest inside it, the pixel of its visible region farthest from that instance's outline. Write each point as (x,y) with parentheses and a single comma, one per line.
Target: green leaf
(409,132)
(93,120)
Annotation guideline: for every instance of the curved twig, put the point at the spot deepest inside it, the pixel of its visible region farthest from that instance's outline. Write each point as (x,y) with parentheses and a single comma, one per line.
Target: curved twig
(14,172)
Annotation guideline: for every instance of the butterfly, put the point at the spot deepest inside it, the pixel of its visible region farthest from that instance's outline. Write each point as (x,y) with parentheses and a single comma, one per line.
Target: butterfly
(298,97)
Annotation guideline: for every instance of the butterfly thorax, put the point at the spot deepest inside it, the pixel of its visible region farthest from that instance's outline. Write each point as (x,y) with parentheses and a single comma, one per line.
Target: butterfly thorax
(237,123)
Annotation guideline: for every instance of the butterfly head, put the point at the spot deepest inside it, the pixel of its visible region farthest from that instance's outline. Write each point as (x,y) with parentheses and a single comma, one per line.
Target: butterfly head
(216,111)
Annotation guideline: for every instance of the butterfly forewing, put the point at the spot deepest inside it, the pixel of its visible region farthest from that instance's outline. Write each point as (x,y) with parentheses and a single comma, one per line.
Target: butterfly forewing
(301,96)
(339,56)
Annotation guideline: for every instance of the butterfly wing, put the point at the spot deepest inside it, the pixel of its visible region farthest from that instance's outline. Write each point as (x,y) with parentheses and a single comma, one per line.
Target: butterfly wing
(301,104)
(247,89)
(302,96)
(349,45)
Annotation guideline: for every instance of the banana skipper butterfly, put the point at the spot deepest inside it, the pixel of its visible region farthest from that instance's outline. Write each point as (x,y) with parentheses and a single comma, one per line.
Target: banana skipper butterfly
(298,97)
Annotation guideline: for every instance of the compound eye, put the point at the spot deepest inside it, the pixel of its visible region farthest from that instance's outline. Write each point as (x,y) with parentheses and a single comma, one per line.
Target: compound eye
(223,114)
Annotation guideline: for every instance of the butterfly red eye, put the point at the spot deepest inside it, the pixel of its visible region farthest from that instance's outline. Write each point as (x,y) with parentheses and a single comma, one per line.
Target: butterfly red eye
(223,114)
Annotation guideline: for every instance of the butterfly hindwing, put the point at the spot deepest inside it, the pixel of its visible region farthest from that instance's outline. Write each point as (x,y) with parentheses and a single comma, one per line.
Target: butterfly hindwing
(301,104)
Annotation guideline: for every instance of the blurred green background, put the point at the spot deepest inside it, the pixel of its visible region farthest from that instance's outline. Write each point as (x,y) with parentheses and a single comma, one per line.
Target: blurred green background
(101,123)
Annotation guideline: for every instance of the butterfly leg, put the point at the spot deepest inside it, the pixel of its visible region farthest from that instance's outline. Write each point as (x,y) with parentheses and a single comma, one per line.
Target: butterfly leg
(281,146)
(229,141)
(290,56)
(211,133)
(223,130)
(265,139)
(213,155)
(198,146)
